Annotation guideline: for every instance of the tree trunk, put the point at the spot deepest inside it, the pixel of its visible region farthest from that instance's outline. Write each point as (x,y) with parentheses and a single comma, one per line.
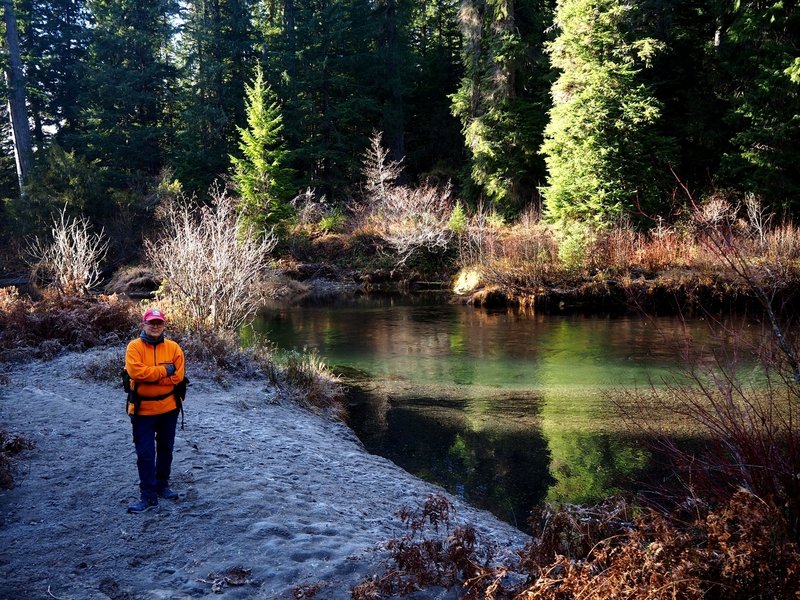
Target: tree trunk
(393,113)
(18,114)
(291,48)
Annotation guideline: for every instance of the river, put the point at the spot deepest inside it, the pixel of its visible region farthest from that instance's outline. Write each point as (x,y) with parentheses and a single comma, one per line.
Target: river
(506,408)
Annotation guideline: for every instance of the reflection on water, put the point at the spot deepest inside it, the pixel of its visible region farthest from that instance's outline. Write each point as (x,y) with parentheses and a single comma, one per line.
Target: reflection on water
(504,408)
(503,468)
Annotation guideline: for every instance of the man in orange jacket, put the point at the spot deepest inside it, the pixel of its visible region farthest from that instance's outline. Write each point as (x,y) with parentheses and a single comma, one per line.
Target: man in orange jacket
(155,366)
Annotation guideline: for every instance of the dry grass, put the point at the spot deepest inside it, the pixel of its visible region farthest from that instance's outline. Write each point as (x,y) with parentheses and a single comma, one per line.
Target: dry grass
(741,550)
(532,257)
(58,322)
(303,378)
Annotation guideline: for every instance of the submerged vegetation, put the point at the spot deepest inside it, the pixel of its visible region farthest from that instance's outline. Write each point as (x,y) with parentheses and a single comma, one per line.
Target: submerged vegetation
(728,525)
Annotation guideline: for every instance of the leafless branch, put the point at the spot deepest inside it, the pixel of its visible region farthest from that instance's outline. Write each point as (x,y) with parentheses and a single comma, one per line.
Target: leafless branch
(72,256)
(379,173)
(211,262)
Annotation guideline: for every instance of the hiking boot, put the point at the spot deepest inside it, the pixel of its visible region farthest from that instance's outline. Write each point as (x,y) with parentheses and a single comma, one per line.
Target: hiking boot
(168,494)
(142,506)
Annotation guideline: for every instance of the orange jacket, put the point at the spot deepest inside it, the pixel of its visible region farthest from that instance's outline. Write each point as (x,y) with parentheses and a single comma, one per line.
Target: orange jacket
(146,365)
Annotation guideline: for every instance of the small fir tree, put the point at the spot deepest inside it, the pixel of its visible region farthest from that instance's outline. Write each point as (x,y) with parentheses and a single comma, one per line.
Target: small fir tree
(261,177)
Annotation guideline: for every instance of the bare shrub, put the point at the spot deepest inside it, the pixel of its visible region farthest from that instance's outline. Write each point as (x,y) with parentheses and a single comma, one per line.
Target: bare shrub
(379,173)
(412,219)
(408,219)
(746,403)
(745,400)
(71,258)
(714,214)
(210,262)
(758,217)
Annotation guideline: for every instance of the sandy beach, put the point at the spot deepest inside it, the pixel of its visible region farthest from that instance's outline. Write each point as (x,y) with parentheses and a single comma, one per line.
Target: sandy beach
(275,502)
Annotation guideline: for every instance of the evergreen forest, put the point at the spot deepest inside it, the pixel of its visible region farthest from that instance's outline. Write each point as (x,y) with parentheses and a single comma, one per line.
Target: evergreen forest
(593,111)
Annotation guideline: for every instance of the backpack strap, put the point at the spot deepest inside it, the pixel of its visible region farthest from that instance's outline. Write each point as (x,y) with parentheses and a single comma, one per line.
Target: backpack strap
(179,391)
(133,398)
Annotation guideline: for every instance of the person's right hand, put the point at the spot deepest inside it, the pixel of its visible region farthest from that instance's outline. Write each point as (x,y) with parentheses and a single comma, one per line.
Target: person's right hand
(170,369)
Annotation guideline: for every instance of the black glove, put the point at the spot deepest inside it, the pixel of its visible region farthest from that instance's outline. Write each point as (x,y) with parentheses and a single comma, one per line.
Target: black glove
(170,370)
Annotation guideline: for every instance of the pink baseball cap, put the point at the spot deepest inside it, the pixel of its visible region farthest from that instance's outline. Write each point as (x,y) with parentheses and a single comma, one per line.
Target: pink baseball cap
(153,314)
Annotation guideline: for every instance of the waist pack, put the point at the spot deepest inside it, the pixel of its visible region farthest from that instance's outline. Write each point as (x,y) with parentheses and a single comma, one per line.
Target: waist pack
(132,398)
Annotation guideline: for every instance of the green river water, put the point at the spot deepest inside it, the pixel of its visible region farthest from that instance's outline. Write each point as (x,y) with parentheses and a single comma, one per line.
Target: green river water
(505,408)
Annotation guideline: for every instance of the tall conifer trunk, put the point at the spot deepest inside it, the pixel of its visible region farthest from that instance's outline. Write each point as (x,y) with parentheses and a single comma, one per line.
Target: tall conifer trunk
(291,48)
(17,111)
(393,113)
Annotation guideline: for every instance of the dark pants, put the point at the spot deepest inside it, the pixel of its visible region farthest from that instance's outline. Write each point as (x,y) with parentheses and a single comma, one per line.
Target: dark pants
(154,437)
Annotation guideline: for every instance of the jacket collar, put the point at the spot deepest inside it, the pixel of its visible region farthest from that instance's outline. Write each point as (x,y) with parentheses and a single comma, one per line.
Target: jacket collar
(152,341)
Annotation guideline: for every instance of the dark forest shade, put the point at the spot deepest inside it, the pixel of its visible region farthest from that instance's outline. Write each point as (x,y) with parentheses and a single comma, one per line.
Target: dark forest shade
(699,95)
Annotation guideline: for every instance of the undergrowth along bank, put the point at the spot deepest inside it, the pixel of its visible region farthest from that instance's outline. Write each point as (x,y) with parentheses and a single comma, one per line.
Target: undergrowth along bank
(739,550)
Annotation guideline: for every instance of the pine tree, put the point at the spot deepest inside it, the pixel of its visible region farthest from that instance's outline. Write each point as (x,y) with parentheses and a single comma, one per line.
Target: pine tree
(126,87)
(214,55)
(686,78)
(502,98)
(260,174)
(606,157)
(756,52)
(435,146)
(54,36)
(336,104)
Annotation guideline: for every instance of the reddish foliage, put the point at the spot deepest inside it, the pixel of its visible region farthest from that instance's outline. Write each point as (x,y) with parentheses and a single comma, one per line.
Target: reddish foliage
(424,558)
(42,329)
(743,550)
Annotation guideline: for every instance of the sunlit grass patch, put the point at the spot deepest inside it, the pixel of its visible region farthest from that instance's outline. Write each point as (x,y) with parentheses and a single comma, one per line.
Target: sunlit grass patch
(303,378)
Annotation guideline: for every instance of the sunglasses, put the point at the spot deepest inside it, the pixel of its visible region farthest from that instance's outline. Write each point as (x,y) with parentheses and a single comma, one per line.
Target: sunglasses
(154,323)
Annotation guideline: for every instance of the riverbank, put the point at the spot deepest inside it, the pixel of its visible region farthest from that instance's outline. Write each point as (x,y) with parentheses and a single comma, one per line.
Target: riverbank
(275,502)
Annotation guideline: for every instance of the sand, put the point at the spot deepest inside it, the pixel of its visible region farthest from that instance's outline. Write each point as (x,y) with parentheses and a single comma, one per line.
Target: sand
(275,502)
